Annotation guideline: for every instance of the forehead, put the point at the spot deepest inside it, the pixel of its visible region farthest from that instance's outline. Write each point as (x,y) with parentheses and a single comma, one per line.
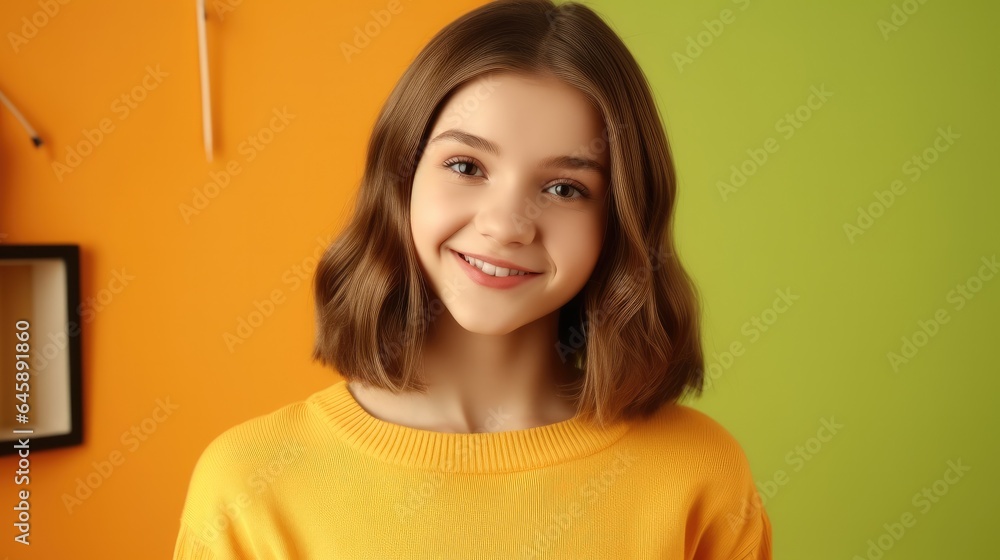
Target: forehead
(532,116)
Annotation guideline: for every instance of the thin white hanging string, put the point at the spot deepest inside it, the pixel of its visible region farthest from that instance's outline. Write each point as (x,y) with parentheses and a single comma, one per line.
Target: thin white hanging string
(206,99)
(35,138)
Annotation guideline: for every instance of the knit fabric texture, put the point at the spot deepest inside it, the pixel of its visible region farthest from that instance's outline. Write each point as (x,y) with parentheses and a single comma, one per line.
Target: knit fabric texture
(323,478)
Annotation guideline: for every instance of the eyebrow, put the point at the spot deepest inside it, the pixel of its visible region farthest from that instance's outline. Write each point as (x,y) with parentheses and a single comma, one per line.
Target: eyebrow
(562,162)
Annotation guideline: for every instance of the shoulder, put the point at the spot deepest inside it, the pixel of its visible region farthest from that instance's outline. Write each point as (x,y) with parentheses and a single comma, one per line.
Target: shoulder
(693,452)
(242,460)
(242,471)
(257,438)
(706,464)
(680,428)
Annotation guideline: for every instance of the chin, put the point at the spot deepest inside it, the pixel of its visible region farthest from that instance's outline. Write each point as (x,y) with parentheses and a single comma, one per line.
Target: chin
(480,323)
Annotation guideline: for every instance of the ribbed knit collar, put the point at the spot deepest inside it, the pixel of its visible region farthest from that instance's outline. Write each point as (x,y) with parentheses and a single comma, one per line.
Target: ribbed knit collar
(490,452)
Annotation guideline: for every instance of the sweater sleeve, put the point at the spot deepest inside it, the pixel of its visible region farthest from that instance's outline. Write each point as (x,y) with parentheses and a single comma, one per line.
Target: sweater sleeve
(735,524)
(762,550)
(212,518)
(760,547)
(189,547)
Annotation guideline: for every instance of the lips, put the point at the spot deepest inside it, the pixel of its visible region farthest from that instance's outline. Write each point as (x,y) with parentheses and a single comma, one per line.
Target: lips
(480,276)
(497,262)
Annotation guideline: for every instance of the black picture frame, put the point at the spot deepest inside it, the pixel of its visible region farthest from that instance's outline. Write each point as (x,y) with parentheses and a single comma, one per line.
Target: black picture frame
(51,263)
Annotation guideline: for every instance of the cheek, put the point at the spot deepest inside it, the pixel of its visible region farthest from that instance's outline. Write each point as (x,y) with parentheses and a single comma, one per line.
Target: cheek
(433,215)
(576,245)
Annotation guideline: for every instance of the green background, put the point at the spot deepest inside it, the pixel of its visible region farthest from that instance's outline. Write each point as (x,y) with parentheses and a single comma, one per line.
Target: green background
(826,355)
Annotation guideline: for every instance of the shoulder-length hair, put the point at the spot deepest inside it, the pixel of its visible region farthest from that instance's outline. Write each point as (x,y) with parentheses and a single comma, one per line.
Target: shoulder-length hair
(633,330)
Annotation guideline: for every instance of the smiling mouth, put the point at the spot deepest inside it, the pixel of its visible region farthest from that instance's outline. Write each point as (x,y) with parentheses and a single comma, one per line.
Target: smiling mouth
(492,269)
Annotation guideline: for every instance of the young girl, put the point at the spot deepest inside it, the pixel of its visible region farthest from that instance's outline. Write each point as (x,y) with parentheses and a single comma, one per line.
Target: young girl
(514,330)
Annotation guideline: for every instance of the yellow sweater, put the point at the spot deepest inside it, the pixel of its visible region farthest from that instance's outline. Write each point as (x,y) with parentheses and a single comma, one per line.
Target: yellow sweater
(324,479)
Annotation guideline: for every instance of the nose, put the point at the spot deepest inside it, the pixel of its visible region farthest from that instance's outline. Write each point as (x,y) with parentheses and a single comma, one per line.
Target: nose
(505,214)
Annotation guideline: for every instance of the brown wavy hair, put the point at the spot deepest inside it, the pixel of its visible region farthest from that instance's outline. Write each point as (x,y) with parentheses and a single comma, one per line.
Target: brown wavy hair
(633,331)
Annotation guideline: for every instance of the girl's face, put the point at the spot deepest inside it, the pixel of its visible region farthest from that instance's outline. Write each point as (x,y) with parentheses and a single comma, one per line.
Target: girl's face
(516,169)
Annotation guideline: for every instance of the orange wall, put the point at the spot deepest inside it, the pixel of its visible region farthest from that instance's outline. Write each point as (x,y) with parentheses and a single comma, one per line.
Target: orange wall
(190,280)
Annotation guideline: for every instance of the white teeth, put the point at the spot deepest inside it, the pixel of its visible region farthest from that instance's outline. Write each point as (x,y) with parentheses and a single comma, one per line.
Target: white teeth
(493,270)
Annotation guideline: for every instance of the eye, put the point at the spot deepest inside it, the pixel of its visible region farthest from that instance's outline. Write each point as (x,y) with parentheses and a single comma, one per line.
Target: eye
(582,190)
(462,165)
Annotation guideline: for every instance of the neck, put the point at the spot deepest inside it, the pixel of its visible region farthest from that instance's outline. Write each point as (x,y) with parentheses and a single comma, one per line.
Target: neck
(482,383)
